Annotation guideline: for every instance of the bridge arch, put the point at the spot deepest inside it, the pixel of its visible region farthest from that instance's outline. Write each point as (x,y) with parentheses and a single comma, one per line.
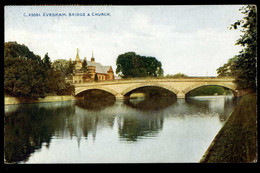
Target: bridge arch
(198,85)
(83,89)
(129,89)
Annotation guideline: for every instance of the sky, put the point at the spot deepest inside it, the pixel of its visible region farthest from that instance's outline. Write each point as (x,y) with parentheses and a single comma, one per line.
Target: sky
(190,39)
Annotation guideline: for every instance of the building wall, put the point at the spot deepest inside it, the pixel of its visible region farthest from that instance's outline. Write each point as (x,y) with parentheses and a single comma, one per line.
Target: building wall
(102,76)
(78,77)
(78,65)
(110,76)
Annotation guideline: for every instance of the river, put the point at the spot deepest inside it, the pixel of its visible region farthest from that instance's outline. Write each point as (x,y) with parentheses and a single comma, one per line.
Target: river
(142,130)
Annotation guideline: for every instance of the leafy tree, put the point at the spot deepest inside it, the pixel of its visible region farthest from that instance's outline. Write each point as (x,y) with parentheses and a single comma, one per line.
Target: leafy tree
(15,50)
(27,76)
(47,61)
(23,72)
(55,80)
(23,78)
(124,64)
(68,89)
(71,68)
(246,63)
(227,69)
(132,65)
(61,64)
(84,69)
(243,66)
(84,66)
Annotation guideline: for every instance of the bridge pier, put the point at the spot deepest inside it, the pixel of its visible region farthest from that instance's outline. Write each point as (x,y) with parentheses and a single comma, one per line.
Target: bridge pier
(180,95)
(121,97)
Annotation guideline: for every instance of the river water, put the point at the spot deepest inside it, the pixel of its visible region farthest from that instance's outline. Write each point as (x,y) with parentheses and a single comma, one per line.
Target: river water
(143,130)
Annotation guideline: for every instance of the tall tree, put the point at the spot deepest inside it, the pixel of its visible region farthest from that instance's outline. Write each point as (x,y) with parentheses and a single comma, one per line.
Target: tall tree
(47,61)
(71,68)
(84,66)
(244,66)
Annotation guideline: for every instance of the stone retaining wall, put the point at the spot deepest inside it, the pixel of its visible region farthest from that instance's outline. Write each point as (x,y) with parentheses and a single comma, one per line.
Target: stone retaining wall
(14,100)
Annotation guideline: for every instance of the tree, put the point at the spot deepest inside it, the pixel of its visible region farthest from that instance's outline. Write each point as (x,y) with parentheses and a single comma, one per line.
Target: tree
(244,66)
(178,75)
(84,67)
(47,61)
(23,72)
(71,68)
(27,76)
(132,65)
(15,50)
(67,90)
(227,69)
(55,77)
(61,64)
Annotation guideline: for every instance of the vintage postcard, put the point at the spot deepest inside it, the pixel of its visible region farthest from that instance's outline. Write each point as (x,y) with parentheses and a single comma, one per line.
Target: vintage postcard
(129,84)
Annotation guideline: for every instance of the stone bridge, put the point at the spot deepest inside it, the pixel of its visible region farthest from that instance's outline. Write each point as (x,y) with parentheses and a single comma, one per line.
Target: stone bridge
(123,87)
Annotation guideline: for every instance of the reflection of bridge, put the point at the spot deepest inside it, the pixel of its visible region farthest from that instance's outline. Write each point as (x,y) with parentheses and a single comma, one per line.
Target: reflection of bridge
(123,88)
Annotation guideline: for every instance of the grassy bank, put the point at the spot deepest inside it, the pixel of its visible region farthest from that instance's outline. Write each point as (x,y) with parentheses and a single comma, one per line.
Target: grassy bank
(236,141)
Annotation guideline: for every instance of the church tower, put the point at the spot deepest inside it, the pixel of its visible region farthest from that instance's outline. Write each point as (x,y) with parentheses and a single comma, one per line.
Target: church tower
(77,56)
(78,61)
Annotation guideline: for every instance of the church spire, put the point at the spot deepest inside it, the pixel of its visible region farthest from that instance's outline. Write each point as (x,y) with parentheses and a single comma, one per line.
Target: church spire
(77,56)
(92,58)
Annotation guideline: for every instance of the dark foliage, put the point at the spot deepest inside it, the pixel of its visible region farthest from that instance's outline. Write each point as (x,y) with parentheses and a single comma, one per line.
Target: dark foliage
(27,76)
(243,65)
(132,65)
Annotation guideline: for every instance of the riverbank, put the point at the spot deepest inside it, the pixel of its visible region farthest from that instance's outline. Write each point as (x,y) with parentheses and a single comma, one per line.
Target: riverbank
(13,100)
(236,142)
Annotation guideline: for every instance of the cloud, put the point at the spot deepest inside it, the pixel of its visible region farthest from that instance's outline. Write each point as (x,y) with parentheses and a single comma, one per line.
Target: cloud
(193,50)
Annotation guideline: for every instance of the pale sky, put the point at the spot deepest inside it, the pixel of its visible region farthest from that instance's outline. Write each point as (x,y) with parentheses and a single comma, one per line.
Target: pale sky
(194,40)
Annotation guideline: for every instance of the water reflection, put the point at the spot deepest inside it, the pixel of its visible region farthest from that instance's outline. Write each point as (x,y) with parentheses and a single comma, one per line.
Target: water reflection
(150,103)
(32,125)
(220,105)
(96,100)
(29,127)
(95,104)
(133,128)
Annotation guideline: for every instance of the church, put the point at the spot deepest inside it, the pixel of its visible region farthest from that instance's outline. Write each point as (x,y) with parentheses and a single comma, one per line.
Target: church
(95,71)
